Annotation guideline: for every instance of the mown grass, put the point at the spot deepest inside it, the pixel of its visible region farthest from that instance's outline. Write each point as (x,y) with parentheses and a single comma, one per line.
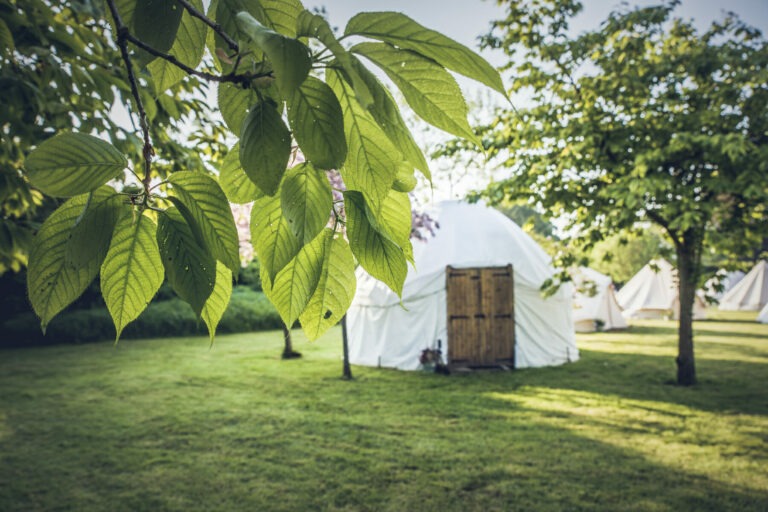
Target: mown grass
(171,425)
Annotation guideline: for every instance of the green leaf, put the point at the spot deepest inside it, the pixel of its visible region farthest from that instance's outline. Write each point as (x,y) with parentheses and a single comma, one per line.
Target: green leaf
(318,124)
(405,181)
(314,25)
(265,147)
(156,23)
(394,218)
(430,90)
(289,58)
(70,164)
(190,269)
(400,30)
(386,112)
(217,303)
(271,236)
(52,284)
(306,199)
(226,15)
(132,272)
(372,160)
(296,282)
(92,232)
(280,15)
(375,251)
(237,186)
(7,45)
(211,212)
(335,289)
(235,104)
(188,48)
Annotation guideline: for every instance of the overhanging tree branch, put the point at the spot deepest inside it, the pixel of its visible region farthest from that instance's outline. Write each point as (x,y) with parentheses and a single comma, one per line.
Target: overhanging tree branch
(214,26)
(122,38)
(244,79)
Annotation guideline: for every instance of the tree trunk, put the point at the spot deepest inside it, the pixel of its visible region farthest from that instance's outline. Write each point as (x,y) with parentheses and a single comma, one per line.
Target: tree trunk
(288,352)
(686,271)
(347,370)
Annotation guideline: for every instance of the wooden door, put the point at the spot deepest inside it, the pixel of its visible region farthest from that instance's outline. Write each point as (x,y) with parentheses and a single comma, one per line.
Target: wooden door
(481,316)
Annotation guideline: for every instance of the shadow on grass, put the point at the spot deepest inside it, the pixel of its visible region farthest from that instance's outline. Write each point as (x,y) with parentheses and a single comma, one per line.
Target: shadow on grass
(169,427)
(722,385)
(390,441)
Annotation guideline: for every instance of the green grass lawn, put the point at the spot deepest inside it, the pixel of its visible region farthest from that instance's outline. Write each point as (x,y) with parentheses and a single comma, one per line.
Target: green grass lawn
(173,425)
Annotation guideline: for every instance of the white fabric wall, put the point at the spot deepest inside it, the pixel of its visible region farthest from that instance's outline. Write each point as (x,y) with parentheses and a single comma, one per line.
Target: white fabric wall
(601,306)
(727,280)
(384,332)
(749,294)
(653,293)
(762,317)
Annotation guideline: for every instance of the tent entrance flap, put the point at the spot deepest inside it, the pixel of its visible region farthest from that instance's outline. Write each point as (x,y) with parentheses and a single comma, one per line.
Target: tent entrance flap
(481,316)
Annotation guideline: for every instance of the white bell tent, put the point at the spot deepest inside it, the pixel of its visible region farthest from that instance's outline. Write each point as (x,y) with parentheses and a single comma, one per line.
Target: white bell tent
(384,332)
(594,302)
(653,293)
(762,317)
(751,293)
(727,281)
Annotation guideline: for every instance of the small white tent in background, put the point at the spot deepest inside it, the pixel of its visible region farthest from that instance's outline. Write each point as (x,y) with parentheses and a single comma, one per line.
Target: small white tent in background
(384,332)
(594,302)
(653,293)
(751,293)
(762,317)
(727,281)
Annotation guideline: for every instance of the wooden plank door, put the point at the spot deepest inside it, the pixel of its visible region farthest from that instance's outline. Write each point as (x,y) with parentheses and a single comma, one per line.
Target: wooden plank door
(481,316)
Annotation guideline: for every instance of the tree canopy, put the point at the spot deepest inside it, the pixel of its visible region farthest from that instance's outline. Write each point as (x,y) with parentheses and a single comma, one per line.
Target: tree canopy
(286,84)
(640,119)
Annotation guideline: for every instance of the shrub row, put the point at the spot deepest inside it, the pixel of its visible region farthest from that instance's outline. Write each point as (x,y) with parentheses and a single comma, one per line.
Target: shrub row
(248,310)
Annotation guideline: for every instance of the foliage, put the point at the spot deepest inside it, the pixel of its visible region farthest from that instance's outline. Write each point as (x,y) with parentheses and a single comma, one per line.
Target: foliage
(622,255)
(247,311)
(175,425)
(642,118)
(287,84)
(58,71)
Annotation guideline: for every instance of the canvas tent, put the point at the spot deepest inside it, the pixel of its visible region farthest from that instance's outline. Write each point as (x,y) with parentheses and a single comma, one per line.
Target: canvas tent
(751,293)
(594,302)
(762,317)
(727,281)
(653,293)
(382,332)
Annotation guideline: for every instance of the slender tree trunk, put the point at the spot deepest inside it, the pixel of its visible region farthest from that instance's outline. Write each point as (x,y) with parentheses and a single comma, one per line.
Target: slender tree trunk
(288,352)
(687,271)
(347,370)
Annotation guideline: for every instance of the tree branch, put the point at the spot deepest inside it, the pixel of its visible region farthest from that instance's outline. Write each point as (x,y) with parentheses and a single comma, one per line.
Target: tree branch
(215,26)
(244,79)
(661,221)
(122,37)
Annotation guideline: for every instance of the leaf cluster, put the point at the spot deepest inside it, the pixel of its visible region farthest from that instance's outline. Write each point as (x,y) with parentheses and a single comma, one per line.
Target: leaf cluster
(281,97)
(59,70)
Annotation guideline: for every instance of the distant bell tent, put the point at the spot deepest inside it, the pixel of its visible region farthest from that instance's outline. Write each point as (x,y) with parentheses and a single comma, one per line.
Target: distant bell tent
(595,307)
(762,317)
(653,293)
(751,293)
(727,280)
(464,298)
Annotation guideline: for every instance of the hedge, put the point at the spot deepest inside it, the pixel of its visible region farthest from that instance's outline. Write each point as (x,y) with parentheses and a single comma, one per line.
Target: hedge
(248,310)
